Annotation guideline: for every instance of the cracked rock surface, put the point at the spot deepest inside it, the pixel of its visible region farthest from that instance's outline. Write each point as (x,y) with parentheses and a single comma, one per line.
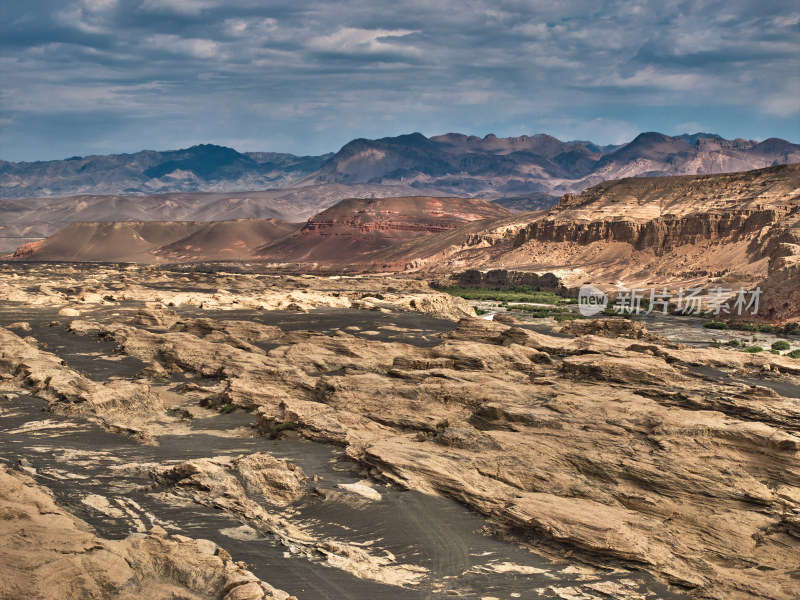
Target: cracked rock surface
(625,465)
(48,553)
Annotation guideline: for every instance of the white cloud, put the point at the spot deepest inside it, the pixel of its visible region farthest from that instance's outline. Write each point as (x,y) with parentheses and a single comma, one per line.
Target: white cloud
(690,127)
(378,67)
(185,7)
(782,105)
(74,17)
(531,30)
(99,5)
(351,40)
(195,47)
(652,77)
(54,97)
(244,27)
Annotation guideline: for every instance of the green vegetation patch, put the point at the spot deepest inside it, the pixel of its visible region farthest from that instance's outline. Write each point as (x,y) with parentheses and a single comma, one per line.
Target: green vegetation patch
(791,329)
(753,349)
(285,426)
(568,317)
(715,325)
(781,345)
(539,312)
(520,293)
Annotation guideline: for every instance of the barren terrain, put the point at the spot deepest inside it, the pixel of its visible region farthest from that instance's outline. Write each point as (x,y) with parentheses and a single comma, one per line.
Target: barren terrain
(369,437)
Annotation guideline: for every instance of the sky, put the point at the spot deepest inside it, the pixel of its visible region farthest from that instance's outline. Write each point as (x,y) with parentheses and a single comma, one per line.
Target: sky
(80,77)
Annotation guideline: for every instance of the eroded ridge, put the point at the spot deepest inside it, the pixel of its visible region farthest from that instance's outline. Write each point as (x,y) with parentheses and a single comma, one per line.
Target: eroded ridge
(604,446)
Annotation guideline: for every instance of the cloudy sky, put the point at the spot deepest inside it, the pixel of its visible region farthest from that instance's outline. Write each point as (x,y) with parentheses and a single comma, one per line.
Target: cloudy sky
(84,77)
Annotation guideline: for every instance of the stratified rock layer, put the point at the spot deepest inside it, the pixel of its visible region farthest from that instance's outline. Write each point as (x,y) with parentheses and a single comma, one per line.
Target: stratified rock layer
(600,440)
(47,553)
(704,231)
(610,445)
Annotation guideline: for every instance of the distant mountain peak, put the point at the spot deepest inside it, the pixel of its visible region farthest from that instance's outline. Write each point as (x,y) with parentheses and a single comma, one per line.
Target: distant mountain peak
(453,164)
(650,136)
(407,138)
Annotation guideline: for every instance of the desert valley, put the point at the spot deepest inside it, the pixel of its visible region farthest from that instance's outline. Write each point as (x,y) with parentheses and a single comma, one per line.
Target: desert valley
(379,377)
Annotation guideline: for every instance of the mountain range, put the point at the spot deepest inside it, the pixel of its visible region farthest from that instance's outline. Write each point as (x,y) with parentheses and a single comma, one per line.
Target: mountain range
(202,168)
(491,167)
(726,230)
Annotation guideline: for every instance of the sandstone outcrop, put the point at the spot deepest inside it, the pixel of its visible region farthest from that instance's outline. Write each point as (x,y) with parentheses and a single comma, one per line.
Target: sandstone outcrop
(243,485)
(47,553)
(264,478)
(704,231)
(608,443)
(158,291)
(599,441)
(67,391)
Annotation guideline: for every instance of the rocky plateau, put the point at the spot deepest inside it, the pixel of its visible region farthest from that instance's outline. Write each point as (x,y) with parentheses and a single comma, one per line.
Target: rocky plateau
(189,434)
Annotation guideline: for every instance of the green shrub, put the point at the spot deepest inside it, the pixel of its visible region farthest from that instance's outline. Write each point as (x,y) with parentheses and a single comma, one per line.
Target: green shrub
(568,317)
(227,409)
(285,426)
(480,311)
(511,294)
(753,349)
(714,325)
(781,345)
(794,354)
(791,329)
(734,343)
(539,312)
(775,352)
(750,326)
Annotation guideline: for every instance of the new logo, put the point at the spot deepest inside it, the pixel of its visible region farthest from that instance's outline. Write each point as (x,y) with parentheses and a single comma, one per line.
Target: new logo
(591,301)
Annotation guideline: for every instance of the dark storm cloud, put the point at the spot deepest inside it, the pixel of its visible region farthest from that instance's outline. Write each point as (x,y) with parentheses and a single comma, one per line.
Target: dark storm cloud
(97,76)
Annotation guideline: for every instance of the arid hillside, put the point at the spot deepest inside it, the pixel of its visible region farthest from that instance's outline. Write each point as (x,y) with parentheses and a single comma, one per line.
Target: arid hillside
(42,217)
(156,241)
(344,233)
(337,237)
(729,230)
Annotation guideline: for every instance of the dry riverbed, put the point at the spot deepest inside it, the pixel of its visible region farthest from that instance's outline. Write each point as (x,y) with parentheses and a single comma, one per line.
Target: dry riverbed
(369,438)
